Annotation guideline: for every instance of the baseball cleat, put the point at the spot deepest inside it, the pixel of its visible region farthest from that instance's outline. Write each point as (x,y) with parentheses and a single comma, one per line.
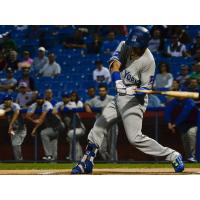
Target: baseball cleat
(83,168)
(178,164)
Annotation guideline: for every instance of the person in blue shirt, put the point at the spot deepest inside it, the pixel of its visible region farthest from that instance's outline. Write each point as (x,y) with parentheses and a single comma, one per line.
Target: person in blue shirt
(180,115)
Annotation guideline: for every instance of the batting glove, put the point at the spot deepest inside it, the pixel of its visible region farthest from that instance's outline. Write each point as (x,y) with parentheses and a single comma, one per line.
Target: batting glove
(123,90)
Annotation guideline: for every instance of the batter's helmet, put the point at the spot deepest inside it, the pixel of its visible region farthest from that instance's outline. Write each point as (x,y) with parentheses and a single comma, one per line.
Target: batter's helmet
(138,37)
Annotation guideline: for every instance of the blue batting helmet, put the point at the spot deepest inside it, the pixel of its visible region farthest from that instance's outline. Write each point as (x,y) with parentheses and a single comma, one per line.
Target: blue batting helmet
(138,37)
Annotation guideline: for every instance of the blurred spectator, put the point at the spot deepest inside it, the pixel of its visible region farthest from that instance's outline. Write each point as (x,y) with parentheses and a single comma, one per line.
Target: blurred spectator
(175,85)
(184,74)
(197,55)
(108,150)
(110,44)
(27,58)
(101,74)
(154,101)
(40,60)
(25,98)
(76,41)
(67,118)
(95,46)
(9,83)
(3,63)
(195,71)
(180,115)
(16,125)
(49,96)
(91,92)
(27,78)
(196,44)
(193,85)
(156,44)
(176,48)
(163,79)
(52,68)
(180,32)
(8,43)
(75,100)
(13,61)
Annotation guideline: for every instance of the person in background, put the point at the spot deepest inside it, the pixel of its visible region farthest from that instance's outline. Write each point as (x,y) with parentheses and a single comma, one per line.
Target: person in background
(108,149)
(9,83)
(49,96)
(26,58)
(40,60)
(110,44)
(183,75)
(101,74)
(196,44)
(91,92)
(3,62)
(16,125)
(95,46)
(75,100)
(24,97)
(52,68)
(184,123)
(156,44)
(45,122)
(67,118)
(163,79)
(176,48)
(27,78)
(195,74)
(13,61)
(76,41)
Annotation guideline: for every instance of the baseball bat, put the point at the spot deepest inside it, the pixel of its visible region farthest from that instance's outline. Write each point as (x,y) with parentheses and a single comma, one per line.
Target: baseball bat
(182,94)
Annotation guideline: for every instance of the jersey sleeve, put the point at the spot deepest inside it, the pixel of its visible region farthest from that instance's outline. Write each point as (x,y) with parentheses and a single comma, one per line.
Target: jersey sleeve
(32,108)
(147,76)
(46,107)
(116,54)
(15,107)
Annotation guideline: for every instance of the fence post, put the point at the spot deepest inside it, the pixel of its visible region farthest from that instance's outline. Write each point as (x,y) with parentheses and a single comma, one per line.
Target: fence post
(36,148)
(74,138)
(198,137)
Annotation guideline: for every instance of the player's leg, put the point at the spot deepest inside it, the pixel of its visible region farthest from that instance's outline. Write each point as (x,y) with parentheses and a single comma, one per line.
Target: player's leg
(113,142)
(132,116)
(17,141)
(189,143)
(47,136)
(95,138)
(78,149)
(103,149)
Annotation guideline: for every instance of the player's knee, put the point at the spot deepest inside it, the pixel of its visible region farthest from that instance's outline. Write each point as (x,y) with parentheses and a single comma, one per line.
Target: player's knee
(137,139)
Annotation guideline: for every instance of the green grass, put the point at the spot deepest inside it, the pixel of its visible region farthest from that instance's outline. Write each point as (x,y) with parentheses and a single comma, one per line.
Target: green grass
(21,166)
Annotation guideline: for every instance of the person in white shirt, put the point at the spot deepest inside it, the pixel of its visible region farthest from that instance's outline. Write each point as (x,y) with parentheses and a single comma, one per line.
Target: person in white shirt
(52,68)
(25,98)
(101,74)
(163,79)
(40,60)
(176,48)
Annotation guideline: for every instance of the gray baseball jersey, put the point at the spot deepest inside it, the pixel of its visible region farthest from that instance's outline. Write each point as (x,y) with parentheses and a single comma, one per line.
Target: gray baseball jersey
(19,123)
(139,72)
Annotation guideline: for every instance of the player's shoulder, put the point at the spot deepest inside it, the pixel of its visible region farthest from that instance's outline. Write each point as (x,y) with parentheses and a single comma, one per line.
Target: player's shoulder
(47,104)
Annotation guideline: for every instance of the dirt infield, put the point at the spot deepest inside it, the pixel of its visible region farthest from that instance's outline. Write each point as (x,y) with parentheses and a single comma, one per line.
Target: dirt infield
(118,171)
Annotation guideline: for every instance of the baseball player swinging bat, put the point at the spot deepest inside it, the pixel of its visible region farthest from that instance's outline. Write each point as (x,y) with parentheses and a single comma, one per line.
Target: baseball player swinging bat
(132,66)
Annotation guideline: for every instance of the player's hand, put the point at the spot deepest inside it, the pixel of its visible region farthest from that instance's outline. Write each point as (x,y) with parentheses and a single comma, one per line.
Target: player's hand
(172,127)
(123,90)
(33,133)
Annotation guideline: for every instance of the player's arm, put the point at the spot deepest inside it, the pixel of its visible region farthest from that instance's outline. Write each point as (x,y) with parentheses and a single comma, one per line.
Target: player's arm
(14,118)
